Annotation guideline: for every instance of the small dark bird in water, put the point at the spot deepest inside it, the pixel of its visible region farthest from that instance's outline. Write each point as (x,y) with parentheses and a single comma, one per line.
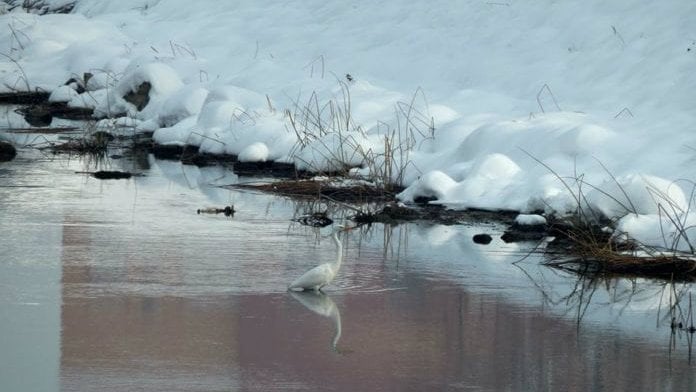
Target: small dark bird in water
(349,77)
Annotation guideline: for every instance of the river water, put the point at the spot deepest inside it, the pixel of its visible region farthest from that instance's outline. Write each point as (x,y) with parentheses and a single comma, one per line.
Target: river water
(121,286)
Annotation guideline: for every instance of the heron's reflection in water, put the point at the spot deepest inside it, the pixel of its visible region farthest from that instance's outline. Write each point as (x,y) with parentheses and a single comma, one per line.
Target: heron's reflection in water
(323,305)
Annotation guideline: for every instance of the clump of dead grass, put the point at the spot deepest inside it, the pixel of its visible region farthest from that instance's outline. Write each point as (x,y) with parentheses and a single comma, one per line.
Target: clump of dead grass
(323,189)
(338,143)
(589,242)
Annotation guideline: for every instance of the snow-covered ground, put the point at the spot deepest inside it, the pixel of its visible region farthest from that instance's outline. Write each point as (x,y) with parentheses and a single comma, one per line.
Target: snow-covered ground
(479,104)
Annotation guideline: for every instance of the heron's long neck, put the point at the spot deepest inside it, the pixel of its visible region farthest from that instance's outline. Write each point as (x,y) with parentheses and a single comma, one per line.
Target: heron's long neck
(339,250)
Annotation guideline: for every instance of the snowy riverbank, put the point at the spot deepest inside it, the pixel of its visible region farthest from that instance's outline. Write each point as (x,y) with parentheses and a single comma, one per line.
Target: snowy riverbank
(473,103)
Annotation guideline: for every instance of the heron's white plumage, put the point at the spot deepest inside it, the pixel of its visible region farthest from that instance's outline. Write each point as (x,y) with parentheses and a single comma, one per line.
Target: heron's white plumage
(321,275)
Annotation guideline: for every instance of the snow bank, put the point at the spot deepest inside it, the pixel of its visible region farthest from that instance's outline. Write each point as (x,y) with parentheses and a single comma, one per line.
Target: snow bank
(62,94)
(476,104)
(185,102)
(637,193)
(660,230)
(530,220)
(255,152)
(164,82)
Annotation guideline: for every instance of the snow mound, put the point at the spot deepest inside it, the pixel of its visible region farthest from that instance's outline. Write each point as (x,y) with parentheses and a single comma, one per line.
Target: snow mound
(660,231)
(185,102)
(62,94)
(489,181)
(100,80)
(637,193)
(433,184)
(178,134)
(163,80)
(530,220)
(255,152)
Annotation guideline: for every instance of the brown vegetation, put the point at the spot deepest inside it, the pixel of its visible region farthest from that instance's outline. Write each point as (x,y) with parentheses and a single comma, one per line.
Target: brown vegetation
(322,189)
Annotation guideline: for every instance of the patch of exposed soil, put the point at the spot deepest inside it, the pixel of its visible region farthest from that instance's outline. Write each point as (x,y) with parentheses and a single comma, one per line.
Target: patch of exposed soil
(24,97)
(317,189)
(42,114)
(110,174)
(390,213)
(42,130)
(394,213)
(139,97)
(191,156)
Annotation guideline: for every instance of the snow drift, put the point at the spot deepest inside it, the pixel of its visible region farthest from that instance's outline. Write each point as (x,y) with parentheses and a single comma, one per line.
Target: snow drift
(476,104)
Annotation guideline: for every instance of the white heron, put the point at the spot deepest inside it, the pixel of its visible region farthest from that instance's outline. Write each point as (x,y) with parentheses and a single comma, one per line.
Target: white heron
(323,274)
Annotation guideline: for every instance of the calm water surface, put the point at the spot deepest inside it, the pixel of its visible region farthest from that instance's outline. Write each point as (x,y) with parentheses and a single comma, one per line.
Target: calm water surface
(121,286)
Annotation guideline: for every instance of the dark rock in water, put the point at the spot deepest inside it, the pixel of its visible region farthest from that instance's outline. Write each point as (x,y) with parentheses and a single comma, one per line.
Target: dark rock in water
(7,152)
(140,97)
(111,175)
(424,199)
(520,233)
(483,239)
(390,214)
(191,156)
(276,169)
(167,151)
(398,212)
(38,116)
(520,236)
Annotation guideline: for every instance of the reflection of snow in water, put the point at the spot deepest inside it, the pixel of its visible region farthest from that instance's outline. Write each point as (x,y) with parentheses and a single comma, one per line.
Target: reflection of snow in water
(205,179)
(635,304)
